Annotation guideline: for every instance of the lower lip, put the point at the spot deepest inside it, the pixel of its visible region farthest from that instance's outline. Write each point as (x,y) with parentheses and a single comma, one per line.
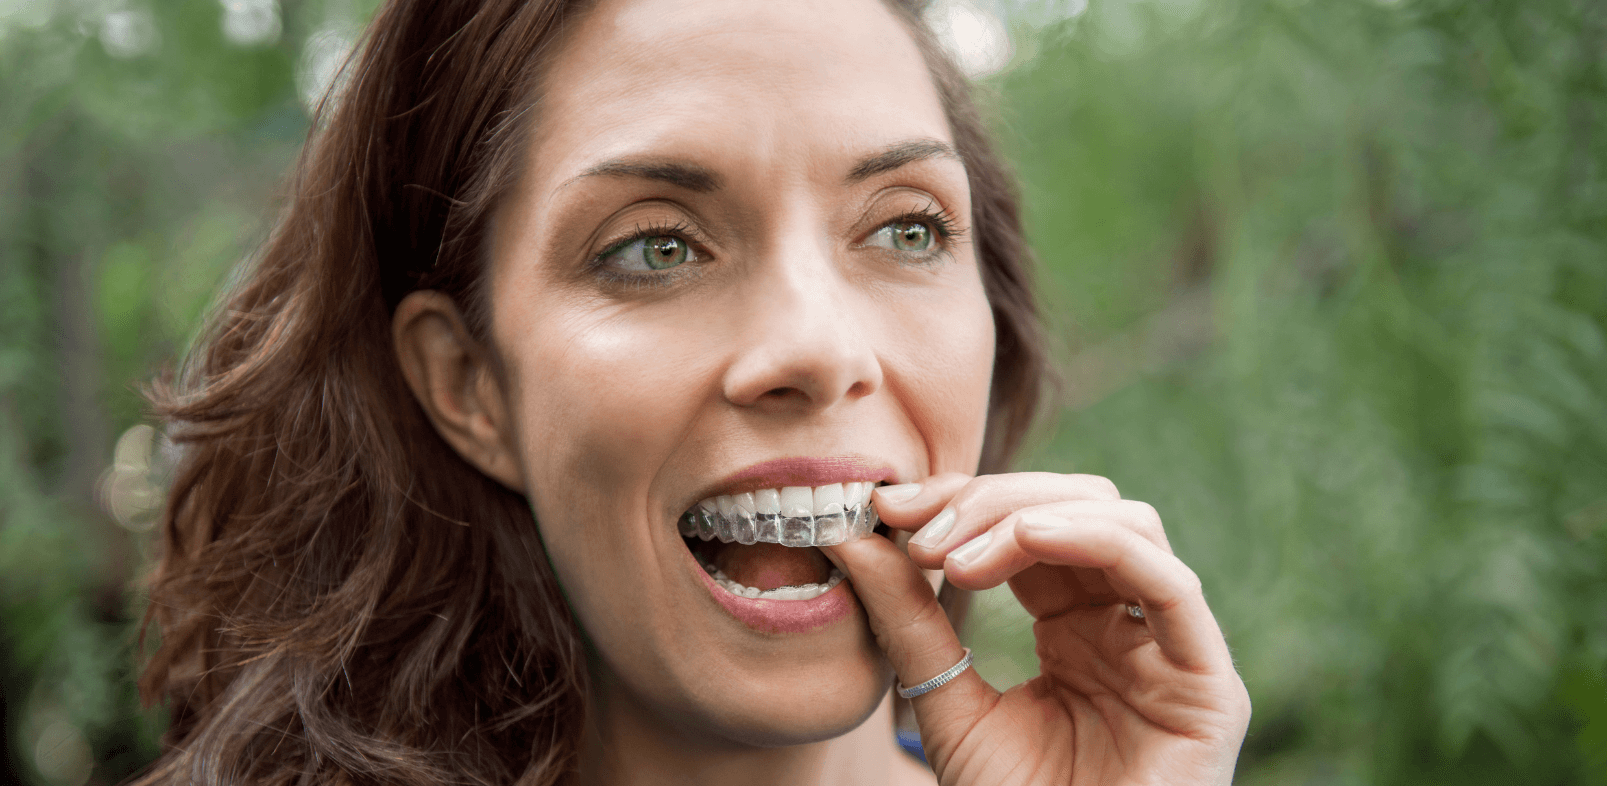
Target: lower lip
(783,616)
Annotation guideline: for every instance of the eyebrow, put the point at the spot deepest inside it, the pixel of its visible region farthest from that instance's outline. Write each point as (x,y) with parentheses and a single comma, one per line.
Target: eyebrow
(900,154)
(687,176)
(702,180)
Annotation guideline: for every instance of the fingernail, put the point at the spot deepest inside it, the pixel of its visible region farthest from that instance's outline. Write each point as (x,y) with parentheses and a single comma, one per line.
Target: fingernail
(935,530)
(902,492)
(1038,522)
(964,555)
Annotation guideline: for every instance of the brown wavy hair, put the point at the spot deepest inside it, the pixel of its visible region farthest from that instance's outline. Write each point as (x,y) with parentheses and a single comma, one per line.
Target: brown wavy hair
(340,598)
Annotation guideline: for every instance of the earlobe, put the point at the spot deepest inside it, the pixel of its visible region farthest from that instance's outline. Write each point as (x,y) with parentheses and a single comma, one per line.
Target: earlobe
(451,376)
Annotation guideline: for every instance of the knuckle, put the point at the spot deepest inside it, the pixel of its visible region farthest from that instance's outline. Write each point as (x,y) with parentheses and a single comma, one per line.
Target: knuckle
(1146,516)
(908,637)
(1233,702)
(1148,521)
(954,484)
(1184,587)
(1101,486)
(977,487)
(985,498)
(1241,699)
(918,618)
(1190,584)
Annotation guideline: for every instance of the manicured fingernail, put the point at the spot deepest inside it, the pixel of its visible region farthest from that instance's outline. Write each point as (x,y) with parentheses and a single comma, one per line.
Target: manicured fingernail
(1038,522)
(966,554)
(903,492)
(935,530)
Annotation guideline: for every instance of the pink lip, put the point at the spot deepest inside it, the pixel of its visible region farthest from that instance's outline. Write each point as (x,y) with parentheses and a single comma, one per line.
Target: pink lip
(803,471)
(783,616)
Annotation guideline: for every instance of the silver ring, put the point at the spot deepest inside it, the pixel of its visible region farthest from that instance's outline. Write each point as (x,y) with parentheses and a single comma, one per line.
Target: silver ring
(938,681)
(1134,611)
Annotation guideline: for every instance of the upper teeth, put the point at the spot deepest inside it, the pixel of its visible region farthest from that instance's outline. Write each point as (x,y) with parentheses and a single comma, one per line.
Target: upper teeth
(792,516)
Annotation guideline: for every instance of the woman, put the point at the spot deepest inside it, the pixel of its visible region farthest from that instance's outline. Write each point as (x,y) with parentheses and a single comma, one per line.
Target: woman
(528,449)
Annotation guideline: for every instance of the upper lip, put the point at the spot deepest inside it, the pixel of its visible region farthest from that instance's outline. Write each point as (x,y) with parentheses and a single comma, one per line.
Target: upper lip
(801,471)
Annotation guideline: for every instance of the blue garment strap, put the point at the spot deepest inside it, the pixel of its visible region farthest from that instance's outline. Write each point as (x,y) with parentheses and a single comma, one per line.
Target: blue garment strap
(910,741)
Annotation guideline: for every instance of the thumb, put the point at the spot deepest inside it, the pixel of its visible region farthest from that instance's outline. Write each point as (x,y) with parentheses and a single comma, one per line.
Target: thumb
(911,628)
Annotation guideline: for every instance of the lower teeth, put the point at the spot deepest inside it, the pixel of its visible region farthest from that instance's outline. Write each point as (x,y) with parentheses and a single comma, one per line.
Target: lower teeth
(791,592)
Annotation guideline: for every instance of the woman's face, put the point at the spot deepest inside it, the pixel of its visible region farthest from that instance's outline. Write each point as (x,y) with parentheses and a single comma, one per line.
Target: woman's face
(737,261)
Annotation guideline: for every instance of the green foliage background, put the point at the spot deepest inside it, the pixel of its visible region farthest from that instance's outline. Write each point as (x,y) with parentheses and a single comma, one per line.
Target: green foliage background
(1328,280)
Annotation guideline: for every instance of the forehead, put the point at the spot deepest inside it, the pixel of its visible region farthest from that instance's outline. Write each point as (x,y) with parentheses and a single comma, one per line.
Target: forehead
(792,83)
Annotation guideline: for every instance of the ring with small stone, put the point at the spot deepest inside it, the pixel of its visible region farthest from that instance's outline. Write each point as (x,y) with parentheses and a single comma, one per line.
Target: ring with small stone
(938,681)
(1134,611)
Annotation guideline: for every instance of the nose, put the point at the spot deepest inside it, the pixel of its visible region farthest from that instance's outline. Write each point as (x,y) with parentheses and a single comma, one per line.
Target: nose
(803,345)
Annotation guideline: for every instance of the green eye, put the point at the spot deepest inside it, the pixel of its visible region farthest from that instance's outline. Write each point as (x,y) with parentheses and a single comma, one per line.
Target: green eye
(662,253)
(910,237)
(659,252)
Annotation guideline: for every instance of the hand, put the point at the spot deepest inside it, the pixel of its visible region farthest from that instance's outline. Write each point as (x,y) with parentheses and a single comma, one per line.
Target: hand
(1119,700)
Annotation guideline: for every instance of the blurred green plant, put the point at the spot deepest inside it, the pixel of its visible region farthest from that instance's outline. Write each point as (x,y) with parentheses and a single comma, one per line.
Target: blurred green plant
(1328,277)
(139,148)
(1334,277)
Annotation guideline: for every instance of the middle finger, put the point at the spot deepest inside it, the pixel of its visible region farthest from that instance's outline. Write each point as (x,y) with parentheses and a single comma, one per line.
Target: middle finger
(966,521)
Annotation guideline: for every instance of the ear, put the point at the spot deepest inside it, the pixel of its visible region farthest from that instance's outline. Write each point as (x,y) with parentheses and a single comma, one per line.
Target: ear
(452,377)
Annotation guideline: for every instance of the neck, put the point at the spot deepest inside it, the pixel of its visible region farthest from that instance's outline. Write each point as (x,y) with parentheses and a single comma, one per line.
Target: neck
(626,745)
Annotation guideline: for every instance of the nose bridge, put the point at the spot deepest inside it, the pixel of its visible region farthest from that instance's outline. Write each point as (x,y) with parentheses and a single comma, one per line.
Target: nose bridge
(801,340)
(800,283)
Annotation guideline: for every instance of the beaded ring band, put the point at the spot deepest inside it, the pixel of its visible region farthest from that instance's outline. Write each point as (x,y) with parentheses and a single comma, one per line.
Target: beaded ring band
(938,681)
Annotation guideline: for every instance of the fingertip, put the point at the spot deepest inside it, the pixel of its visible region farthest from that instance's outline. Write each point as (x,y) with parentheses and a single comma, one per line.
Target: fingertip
(928,559)
(906,506)
(934,532)
(867,553)
(896,494)
(900,507)
(962,578)
(971,552)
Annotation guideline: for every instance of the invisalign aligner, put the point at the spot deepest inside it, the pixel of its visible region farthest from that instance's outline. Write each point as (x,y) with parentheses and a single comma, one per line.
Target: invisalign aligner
(774,520)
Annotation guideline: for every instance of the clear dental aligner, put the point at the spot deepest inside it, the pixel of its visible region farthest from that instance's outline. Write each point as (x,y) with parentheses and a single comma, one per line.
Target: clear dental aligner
(793,516)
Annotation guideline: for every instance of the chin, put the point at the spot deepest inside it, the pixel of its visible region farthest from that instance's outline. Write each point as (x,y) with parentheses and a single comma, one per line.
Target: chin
(801,663)
(791,711)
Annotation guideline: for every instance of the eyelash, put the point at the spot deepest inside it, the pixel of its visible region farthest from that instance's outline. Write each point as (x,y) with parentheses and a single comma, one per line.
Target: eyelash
(942,220)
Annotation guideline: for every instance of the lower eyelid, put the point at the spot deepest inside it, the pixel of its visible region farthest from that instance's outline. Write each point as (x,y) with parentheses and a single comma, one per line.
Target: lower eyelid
(640,281)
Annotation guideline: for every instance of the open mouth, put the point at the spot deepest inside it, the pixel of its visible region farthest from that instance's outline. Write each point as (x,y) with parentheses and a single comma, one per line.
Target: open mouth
(762,544)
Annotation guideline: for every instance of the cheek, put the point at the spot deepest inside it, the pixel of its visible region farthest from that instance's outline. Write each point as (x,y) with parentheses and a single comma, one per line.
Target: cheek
(942,369)
(600,402)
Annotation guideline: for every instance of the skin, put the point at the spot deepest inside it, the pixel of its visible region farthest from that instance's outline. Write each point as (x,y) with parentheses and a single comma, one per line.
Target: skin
(793,328)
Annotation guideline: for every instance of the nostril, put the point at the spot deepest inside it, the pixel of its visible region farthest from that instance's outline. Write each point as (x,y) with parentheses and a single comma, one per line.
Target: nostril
(777,374)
